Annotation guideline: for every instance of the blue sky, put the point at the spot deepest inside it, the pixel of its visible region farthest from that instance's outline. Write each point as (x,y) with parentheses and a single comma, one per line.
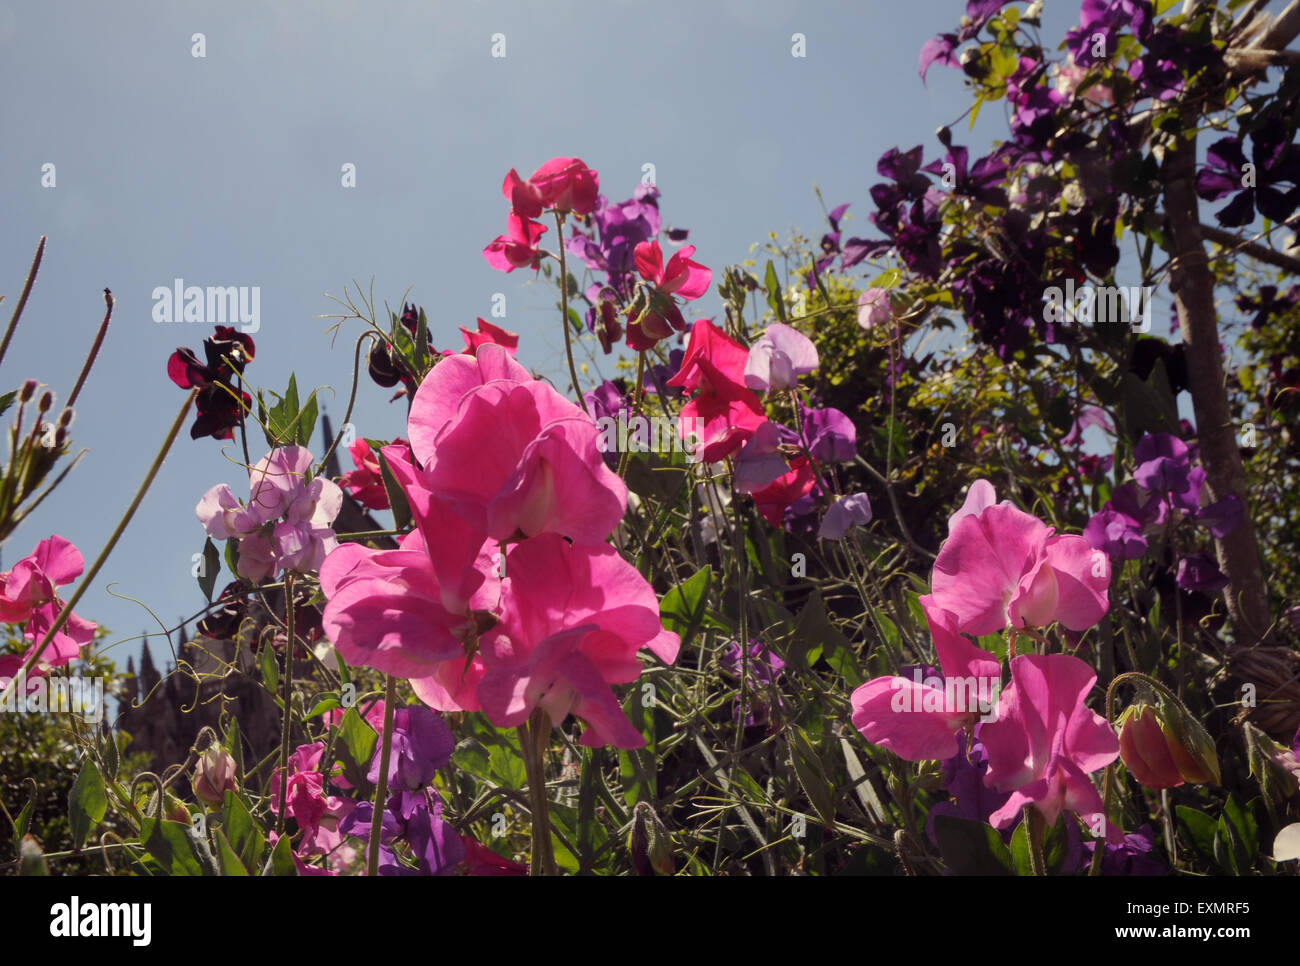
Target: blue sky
(225,170)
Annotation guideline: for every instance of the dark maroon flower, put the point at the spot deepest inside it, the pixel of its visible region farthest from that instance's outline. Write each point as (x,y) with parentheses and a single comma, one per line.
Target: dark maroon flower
(1200,572)
(218,402)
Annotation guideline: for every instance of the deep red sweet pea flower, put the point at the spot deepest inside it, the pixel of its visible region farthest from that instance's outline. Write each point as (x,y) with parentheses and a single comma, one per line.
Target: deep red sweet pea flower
(227,352)
(517,248)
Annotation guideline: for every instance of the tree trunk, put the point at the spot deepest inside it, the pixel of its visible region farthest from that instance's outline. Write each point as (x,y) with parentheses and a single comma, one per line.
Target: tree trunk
(1193,288)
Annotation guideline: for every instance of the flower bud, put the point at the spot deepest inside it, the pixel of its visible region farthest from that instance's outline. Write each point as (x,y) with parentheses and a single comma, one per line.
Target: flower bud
(650,843)
(28,390)
(1272,764)
(1162,746)
(214,775)
(46,401)
(66,417)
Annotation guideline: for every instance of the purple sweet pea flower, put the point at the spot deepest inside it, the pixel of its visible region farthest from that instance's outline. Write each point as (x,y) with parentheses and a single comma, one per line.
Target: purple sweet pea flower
(964,782)
(1163,463)
(1222,516)
(606,400)
(422,743)
(764,669)
(1200,572)
(1134,856)
(849,511)
(778,358)
(831,435)
(1118,534)
(416,817)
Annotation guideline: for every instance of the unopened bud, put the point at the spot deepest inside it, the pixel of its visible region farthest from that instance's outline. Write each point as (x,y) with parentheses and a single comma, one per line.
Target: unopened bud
(46,401)
(214,775)
(67,416)
(1163,746)
(649,843)
(28,390)
(1273,765)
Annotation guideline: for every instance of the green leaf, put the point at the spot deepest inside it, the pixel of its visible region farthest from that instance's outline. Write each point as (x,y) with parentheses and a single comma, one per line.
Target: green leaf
(422,342)
(396,496)
(87,802)
(270,672)
(774,297)
(171,844)
(971,848)
(683,608)
(575,320)
(230,864)
(1200,829)
(7,400)
(811,774)
(242,832)
(232,555)
(281,860)
(327,702)
(307,421)
(24,820)
(211,567)
(356,747)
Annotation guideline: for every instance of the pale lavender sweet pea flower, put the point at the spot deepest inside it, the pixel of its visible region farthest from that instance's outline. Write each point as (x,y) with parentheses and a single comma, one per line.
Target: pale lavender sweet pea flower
(849,511)
(760,461)
(874,308)
(778,358)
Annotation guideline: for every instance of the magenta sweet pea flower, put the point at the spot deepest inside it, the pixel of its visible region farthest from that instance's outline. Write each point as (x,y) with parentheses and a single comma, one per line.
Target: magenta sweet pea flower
(365,484)
(486,332)
(1001,566)
(517,248)
(724,413)
(920,720)
(28,594)
(572,620)
(563,184)
(681,279)
(511,454)
(1045,742)
(778,358)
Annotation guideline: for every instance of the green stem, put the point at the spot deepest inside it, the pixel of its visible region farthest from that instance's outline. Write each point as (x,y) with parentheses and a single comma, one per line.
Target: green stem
(94,350)
(381,790)
(533,738)
(1035,825)
(22,299)
(564,311)
(288,696)
(86,581)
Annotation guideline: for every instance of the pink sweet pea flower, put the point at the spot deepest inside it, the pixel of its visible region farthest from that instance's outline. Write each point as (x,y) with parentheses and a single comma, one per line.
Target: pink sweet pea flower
(517,248)
(573,619)
(778,358)
(1045,742)
(775,498)
(564,184)
(407,611)
(1001,566)
(920,720)
(31,582)
(725,413)
(874,308)
(510,453)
